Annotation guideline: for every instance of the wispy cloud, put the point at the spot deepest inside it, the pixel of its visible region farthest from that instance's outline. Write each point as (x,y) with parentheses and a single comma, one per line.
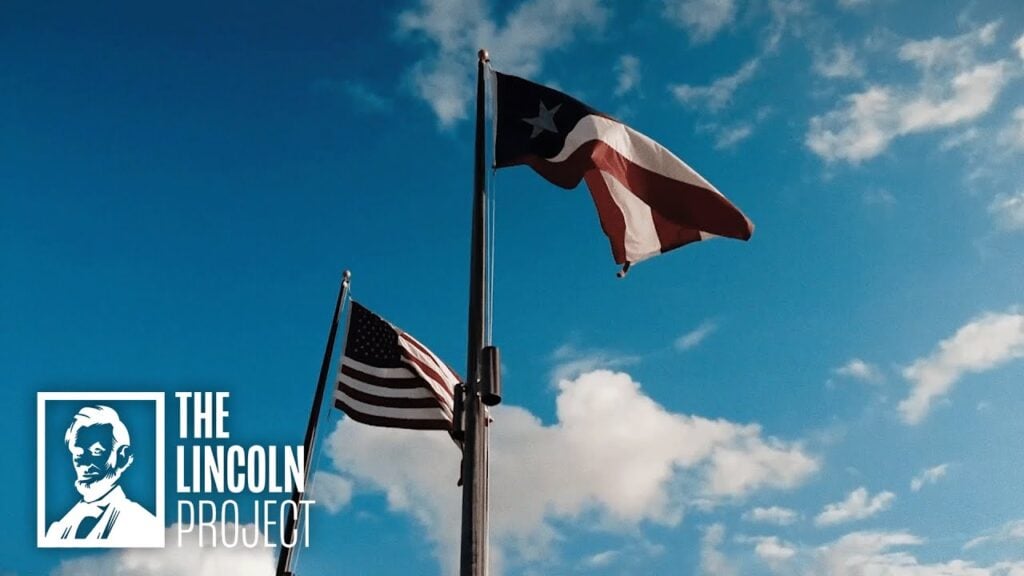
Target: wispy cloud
(1008,211)
(857,506)
(928,476)
(702,19)
(955,87)
(713,562)
(1012,136)
(1009,532)
(839,62)
(875,553)
(694,337)
(454,29)
(885,554)
(859,370)
(719,93)
(731,136)
(569,362)
(331,490)
(601,559)
(984,343)
(627,71)
(771,550)
(879,197)
(772,515)
(960,139)
(358,94)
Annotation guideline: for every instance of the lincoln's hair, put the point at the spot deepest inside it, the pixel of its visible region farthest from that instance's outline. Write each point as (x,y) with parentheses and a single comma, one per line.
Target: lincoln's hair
(94,415)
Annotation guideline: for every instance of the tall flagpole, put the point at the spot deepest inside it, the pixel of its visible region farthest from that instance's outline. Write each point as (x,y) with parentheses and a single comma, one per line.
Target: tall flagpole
(284,558)
(473,561)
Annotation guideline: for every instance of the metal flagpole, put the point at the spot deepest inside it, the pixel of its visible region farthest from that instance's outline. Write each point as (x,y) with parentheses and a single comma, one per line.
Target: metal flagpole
(473,561)
(284,558)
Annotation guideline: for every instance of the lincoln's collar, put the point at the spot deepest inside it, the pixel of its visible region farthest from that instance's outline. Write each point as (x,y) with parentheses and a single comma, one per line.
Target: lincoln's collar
(116,495)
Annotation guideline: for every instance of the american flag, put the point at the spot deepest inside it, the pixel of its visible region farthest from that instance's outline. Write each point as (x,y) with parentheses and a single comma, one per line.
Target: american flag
(387,378)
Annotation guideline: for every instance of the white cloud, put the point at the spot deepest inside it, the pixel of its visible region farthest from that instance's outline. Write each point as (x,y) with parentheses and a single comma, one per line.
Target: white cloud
(718,94)
(1013,135)
(772,551)
(879,554)
(694,337)
(570,362)
(1008,211)
(730,136)
(840,62)
(784,13)
(928,476)
(601,559)
(857,506)
(360,95)
(860,370)
(628,74)
(1019,45)
(954,88)
(188,560)
(960,140)
(330,490)
(365,97)
(852,3)
(866,554)
(455,29)
(879,197)
(958,52)
(713,561)
(1009,532)
(984,343)
(614,457)
(773,515)
(702,19)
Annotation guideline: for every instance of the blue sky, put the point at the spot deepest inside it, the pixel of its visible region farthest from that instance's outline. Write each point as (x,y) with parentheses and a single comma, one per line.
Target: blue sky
(181,187)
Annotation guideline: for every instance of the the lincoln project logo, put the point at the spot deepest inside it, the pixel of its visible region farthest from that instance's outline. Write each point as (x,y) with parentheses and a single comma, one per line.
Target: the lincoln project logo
(100,470)
(101,475)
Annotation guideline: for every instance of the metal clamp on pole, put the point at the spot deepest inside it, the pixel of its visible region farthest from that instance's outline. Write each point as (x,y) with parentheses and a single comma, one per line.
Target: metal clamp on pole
(491,376)
(458,426)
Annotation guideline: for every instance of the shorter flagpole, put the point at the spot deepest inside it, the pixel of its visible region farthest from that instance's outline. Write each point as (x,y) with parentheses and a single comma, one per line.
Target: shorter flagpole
(284,558)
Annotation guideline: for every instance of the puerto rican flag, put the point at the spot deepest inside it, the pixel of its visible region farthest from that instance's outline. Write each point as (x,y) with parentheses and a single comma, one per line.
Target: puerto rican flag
(648,200)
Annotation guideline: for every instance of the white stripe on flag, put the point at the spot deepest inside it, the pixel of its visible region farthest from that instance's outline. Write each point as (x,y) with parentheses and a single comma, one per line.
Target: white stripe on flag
(632,145)
(439,364)
(441,388)
(378,372)
(387,412)
(641,241)
(383,391)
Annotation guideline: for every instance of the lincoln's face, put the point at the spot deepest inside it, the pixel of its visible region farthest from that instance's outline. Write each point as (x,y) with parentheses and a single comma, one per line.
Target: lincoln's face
(95,459)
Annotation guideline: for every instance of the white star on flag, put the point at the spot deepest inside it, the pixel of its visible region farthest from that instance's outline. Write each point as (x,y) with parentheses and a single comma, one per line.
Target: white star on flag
(544,120)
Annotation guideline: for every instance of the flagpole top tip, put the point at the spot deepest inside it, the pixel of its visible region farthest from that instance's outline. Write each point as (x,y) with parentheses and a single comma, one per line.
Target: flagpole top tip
(483,55)
(346,276)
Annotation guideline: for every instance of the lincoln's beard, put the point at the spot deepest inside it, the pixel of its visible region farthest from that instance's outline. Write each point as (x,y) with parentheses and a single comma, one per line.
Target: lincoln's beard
(94,489)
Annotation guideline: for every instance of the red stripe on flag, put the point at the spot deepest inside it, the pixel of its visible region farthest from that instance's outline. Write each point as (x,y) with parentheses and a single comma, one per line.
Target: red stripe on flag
(612,221)
(685,204)
(387,401)
(392,422)
(405,383)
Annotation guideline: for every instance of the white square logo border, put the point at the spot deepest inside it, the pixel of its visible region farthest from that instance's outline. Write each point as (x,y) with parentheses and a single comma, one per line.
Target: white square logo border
(41,399)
